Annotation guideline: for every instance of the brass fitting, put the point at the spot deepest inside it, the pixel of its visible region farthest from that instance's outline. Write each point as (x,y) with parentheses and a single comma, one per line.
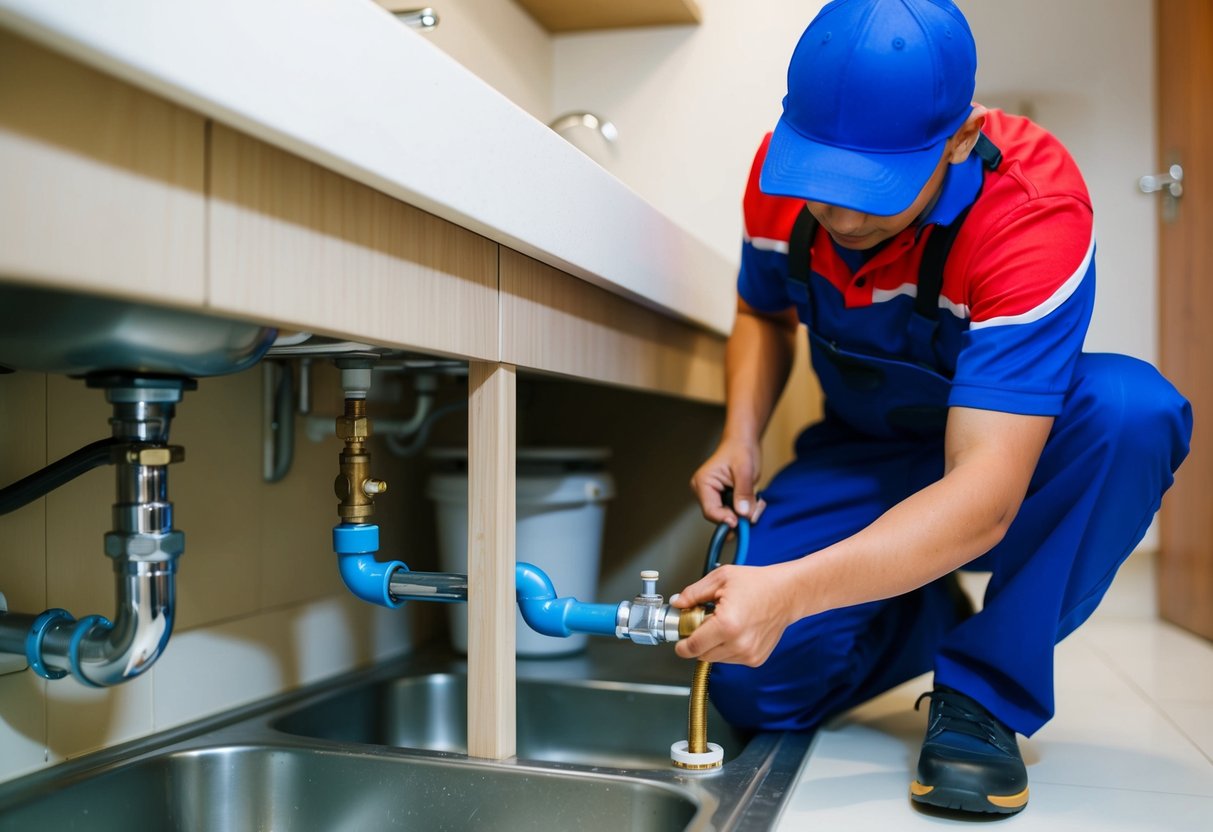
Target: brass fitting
(691,620)
(697,711)
(151,455)
(354,486)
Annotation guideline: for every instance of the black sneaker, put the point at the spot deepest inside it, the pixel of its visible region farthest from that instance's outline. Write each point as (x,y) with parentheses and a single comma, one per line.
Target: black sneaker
(970,761)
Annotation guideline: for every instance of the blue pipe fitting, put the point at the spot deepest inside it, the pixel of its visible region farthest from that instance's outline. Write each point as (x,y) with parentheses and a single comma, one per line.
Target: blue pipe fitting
(83,627)
(369,579)
(33,641)
(561,617)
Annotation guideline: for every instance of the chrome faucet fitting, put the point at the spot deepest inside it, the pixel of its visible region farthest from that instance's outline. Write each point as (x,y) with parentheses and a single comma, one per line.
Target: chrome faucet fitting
(646,619)
(143,544)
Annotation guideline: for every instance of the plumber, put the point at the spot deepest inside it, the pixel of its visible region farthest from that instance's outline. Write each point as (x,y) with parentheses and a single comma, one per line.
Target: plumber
(941,256)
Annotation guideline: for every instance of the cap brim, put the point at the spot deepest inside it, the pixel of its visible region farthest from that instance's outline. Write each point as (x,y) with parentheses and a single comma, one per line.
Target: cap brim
(874,183)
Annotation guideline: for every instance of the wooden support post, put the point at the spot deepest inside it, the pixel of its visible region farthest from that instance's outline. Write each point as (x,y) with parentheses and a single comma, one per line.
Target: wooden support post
(491,455)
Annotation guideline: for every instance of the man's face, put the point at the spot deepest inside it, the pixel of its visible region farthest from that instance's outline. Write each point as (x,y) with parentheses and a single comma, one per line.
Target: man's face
(859,231)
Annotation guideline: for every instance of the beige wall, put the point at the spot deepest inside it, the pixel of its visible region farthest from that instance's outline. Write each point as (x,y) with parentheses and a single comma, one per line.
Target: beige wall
(691,104)
(503,45)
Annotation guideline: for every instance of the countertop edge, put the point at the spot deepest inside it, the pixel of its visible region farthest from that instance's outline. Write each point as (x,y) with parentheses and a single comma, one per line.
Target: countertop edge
(484,164)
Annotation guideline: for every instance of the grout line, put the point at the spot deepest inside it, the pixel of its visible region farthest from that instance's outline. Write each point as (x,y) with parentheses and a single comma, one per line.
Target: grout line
(1150,700)
(1036,781)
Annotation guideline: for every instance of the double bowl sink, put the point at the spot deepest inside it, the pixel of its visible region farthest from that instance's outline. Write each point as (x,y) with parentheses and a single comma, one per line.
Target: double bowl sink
(386,749)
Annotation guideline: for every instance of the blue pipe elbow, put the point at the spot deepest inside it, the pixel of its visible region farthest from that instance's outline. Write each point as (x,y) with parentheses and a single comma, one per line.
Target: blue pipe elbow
(561,617)
(369,579)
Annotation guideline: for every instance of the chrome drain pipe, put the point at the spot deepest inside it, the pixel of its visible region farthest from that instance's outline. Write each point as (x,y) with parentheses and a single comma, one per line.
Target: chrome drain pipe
(143,545)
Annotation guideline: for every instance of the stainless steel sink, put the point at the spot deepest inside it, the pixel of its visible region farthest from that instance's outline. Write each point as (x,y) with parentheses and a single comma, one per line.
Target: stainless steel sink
(50,331)
(384,749)
(232,788)
(593,723)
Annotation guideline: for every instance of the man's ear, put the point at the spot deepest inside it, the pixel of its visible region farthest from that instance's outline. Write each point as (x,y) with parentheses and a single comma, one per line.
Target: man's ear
(965,138)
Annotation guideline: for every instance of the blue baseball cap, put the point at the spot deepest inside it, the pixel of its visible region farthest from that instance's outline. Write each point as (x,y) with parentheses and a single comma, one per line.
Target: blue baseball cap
(875,90)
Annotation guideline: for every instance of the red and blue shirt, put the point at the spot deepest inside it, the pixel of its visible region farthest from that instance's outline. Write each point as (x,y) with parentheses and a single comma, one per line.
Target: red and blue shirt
(1018,286)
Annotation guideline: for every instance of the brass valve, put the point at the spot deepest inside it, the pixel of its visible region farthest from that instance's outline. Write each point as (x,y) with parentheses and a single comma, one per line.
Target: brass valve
(152,455)
(691,620)
(354,486)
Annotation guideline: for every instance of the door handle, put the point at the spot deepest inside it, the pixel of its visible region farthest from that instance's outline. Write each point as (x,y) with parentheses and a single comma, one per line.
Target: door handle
(1170,185)
(1172,181)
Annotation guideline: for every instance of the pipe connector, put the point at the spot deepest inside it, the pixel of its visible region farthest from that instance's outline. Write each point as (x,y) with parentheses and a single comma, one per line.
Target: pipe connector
(366,577)
(561,617)
(143,545)
(354,486)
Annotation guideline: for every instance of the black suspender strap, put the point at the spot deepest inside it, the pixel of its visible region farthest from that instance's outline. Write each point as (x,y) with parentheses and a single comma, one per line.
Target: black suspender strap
(939,244)
(934,256)
(930,268)
(800,251)
(988,152)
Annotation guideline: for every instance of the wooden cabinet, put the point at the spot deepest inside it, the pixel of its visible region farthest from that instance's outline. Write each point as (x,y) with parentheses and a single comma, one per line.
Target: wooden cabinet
(296,245)
(555,323)
(112,190)
(103,184)
(583,15)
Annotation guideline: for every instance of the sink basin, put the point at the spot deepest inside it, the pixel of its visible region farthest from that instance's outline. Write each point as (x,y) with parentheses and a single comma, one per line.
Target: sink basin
(49,331)
(589,723)
(282,788)
(384,748)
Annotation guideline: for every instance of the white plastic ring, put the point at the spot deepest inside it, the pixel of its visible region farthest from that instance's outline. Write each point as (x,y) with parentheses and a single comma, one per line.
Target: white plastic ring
(710,759)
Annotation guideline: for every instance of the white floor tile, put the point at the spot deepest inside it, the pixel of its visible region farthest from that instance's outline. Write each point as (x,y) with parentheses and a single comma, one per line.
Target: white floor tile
(1164,661)
(1195,720)
(1131,747)
(879,802)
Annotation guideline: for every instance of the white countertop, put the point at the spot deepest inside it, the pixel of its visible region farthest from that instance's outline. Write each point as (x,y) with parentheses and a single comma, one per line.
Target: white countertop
(343,84)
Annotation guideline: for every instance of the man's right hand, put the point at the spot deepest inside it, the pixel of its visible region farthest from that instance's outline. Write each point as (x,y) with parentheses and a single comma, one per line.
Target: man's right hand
(736,465)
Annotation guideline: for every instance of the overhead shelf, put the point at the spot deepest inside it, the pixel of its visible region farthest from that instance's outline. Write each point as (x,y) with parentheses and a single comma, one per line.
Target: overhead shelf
(586,15)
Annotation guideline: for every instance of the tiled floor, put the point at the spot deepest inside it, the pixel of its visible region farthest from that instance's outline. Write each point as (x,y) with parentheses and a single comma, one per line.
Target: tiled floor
(1131,747)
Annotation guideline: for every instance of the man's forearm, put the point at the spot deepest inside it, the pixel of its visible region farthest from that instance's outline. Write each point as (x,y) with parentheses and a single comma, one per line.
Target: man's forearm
(936,530)
(758,359)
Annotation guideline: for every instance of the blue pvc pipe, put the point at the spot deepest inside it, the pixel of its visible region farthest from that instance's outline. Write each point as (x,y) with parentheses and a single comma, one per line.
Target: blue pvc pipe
(369,579)
(561,617)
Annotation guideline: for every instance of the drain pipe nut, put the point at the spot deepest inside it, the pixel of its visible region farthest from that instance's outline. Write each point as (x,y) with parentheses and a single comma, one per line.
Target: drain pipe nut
(33,641)
(142,547)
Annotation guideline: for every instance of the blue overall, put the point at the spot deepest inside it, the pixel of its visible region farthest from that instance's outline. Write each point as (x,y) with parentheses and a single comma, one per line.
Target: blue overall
(1122,432)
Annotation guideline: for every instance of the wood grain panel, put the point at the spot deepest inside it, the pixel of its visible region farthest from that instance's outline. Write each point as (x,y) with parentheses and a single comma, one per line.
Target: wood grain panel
(103,184)
(558,324)
(1185,89)
(492,396)
(582,15)
(294,244)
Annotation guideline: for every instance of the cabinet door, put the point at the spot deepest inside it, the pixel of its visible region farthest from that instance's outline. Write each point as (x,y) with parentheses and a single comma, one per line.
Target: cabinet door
(1185,77)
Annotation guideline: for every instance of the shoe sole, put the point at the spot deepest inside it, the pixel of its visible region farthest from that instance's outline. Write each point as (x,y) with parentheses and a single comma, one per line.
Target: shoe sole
(968,801)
